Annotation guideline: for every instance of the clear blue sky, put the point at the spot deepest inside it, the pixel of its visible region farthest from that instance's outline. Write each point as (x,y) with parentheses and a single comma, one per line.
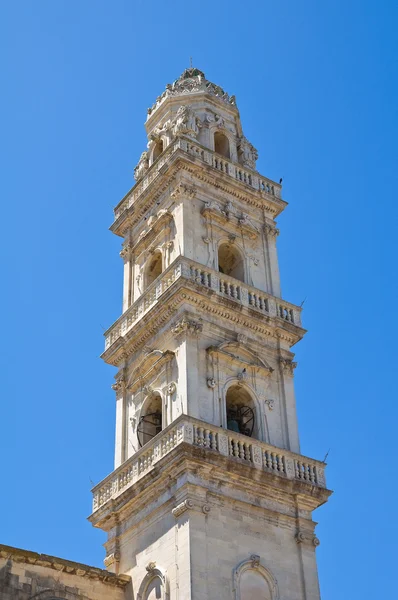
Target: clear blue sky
(316,84)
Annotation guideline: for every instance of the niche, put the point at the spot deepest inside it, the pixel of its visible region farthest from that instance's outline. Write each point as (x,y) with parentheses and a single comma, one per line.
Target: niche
(240,409)
(230,261)
(221,144)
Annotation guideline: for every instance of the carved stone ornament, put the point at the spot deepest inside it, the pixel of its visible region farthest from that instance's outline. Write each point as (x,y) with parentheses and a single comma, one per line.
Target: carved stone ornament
(255,560)
(171,388)
(300,537)
(247,153)
(288,366)
(242,338)
(119,385)
(181,508)
(183,189)
(151,566)
(206,508)
(188,326)
(242,376)
(186,122)
(191,81)
(271,230)
(111,559)
(142,166)
(126,251)
(211,382)
(270,403)
(315,541)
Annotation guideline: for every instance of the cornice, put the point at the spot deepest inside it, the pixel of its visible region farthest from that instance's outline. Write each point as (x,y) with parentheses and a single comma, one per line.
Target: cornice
(60,564)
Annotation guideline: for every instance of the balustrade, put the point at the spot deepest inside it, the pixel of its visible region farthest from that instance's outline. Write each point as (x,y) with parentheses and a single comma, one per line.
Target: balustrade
(204,435)
(223,284)
(196,150)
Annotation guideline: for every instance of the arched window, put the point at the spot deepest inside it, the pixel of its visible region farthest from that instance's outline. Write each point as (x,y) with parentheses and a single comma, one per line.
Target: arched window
(252,581)
(240,409)
(154,586)
(221,144)
(151,419)
(153,268)
(230,261)
(158,149)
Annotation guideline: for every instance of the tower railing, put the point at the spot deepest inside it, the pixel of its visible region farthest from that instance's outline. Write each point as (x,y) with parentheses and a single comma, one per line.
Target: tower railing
(186,145)
(224,286)
(229,444)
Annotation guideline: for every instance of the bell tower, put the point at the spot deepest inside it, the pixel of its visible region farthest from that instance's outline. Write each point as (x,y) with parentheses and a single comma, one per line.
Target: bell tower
(210,496)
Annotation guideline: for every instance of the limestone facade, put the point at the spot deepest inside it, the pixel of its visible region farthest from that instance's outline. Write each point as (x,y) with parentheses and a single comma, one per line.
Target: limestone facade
(210,496)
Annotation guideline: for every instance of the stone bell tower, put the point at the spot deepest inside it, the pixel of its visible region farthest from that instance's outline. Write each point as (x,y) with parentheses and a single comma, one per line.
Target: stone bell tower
(210,496)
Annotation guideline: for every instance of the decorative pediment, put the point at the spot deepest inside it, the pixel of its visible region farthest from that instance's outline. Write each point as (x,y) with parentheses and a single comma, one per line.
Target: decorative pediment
(151,364)
(238,354)
(155,224)
(221,215)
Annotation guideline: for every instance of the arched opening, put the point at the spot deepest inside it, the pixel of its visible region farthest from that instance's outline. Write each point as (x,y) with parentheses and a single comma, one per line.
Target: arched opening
(154,268)
(221,144)
(151,420)
(253,586)
(240,409)
(230,261)
(154,589)
(158,149)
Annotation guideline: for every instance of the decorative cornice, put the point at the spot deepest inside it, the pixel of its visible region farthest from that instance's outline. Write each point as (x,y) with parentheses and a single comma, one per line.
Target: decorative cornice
(60,564)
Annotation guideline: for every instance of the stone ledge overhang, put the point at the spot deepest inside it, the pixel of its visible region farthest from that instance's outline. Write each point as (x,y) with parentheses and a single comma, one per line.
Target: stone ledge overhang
(61,564)
(223,476)
(144,194)
(187,292)
(229,458)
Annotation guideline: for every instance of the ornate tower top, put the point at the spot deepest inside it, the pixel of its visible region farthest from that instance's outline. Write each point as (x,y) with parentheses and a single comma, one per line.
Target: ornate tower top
(192,81)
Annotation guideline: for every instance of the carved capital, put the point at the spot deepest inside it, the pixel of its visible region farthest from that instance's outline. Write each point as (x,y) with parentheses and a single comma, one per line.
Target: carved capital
(181,508)
(119,385)
(300,537)
(183,189)
(187,326)
(125,252)
(206,508)
(288,366)
(111,559)
(271,230)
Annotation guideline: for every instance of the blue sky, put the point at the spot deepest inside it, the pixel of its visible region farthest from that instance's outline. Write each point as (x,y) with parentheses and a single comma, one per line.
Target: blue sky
(316,85)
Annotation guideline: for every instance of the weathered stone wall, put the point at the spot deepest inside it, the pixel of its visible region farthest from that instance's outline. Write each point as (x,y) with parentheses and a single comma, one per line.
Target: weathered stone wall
(25,575)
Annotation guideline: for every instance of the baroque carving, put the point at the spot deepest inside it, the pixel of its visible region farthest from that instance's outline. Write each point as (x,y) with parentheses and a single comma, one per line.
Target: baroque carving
(247,153)
(181,508)
(183,190)
(270,403)
(211,382)
(288,366)
(271,230)
(186,122)
(119,385)
(242,338)
(188,326)
(142,166)
(171,388)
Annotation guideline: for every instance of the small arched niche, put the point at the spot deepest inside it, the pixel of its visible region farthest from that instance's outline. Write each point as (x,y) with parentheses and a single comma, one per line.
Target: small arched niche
(158,149)
(153,268)
(230,261)
(240,411)
(253,586)
(221,144)
(151,419)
